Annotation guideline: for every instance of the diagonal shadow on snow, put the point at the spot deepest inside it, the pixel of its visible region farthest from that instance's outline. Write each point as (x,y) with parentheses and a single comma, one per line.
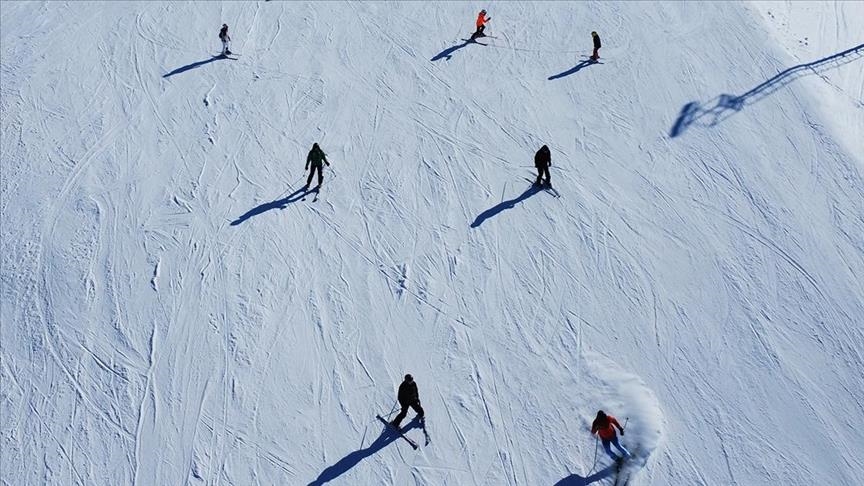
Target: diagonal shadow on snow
(194,65)
(577,480)
(575,69)
(348,462)
(726,105)
(510,204)
(448,53)
(277,204)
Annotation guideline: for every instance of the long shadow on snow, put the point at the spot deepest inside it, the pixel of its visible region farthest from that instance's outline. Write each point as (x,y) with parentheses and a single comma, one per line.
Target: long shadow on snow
(277,204)
(348,462)
(577,480)
(448,53)
(575,69)
(193,66)
(505,205)
(726,105)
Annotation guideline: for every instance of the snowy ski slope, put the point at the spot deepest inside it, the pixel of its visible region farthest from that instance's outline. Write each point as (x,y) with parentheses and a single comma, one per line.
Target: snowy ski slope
(175,312)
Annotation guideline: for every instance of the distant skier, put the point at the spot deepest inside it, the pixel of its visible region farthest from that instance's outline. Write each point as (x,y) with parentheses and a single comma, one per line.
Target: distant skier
(481,25)
(597,46)
(604,426)
(542,160)
(408,397)
(316,158)
(226,40)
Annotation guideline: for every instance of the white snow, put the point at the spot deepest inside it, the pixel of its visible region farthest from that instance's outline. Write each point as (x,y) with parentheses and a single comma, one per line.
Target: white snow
(174,312)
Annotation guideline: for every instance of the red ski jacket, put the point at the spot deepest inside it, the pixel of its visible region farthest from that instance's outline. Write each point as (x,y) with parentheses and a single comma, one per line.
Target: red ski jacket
(481,20)
(606,432)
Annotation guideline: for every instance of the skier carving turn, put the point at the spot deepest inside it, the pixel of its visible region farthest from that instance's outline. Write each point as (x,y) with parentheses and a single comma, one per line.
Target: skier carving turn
(604,426)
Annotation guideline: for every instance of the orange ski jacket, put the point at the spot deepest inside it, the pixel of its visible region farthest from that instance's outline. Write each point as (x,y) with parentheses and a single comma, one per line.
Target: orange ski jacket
(606,432)
(481,20)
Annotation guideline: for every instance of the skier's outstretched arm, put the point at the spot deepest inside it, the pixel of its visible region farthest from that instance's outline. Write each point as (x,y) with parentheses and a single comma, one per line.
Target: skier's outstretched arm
(617,424)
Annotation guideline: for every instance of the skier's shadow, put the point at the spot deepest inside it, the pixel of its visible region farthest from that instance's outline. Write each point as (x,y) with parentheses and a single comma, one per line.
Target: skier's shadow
(575,69)
(503,205)
(194,65)
(279,203)
(348,462)
(448,53)
(577,480)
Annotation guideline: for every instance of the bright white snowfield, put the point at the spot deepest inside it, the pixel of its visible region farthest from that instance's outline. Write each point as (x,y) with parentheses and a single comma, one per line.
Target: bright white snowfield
(175,312)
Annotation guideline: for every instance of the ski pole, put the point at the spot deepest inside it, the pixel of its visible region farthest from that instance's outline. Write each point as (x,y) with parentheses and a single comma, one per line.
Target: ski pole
(596,443)
(291,186)
(392,409)
(626,419)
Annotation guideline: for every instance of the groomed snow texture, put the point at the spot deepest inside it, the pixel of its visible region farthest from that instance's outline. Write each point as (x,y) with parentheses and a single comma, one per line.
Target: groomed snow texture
(174,311)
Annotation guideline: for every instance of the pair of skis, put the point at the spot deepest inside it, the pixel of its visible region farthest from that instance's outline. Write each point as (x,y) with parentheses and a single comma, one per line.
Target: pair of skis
(627,466)
(401,433)
(592,60)
(622,473)
(316,190)
(474,39)
(545,187)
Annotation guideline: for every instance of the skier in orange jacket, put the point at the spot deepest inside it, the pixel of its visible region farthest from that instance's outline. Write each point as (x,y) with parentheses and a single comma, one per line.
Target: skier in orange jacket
(481,24)
(604,426)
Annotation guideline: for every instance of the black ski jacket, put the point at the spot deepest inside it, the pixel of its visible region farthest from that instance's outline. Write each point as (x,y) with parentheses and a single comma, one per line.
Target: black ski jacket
(597,42)
(543,158)
(408,393)
(316,157)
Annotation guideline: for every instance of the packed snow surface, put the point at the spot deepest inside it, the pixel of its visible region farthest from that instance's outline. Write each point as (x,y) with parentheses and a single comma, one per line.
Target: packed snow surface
(176,311)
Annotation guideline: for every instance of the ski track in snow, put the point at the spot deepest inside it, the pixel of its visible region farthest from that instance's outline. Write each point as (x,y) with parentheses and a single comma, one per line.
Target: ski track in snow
(174,312)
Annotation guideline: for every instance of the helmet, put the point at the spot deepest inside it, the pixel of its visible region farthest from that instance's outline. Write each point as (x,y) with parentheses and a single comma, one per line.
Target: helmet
(409,378)
(483,11)
(224,26)
(593,33)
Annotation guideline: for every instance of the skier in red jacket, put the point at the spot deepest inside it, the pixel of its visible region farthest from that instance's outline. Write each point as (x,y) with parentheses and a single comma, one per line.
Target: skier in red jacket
(604,426)
(481,25)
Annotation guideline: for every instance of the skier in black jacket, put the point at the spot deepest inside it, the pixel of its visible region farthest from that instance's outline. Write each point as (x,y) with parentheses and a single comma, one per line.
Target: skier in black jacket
(316,158)
(597,46)
(542,160)
(408,397)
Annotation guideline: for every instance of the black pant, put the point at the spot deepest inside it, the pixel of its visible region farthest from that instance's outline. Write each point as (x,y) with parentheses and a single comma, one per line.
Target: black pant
(320,169)
(479,32)
(417,408)
(541,170)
